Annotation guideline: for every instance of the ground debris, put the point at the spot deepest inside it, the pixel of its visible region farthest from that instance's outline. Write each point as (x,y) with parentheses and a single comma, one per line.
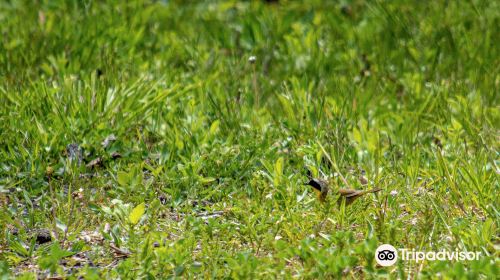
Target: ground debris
(74,153)
(108,141)
(95,163)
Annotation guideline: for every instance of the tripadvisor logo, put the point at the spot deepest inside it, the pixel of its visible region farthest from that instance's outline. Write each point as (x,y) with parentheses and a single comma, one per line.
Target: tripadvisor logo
(387,255)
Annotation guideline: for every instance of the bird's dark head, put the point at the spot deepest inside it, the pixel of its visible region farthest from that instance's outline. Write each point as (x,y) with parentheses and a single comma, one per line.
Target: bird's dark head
(320,187)
(315,183)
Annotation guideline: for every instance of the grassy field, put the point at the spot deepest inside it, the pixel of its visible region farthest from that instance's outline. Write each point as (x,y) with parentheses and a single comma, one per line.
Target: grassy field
(164,139)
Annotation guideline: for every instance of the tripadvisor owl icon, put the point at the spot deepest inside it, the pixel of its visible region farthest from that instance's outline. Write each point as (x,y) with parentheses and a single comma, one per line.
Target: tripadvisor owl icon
(386,255)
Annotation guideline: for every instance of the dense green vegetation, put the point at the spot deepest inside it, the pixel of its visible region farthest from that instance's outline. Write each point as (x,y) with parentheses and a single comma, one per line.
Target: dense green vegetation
(154,139)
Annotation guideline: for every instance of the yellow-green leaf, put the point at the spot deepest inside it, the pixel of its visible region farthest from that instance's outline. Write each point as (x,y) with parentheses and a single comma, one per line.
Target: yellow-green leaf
(278,171)
(137,213)
(123,178)
(214,127)
(356,134)
(206,180)
(278,167)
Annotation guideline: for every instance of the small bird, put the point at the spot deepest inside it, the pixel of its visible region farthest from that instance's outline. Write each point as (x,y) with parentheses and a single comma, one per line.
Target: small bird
(349,195)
